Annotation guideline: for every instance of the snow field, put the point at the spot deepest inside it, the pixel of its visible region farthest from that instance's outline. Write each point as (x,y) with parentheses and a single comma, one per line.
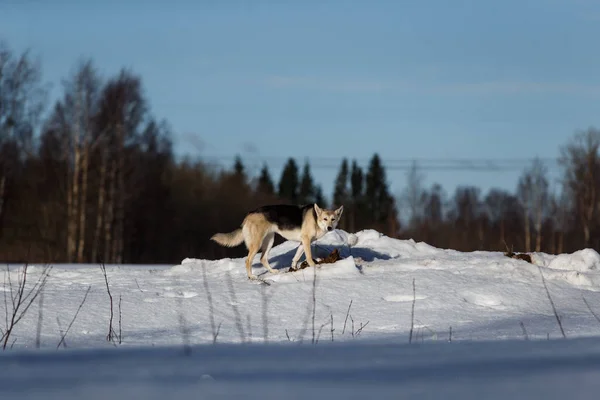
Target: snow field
(472,314)
(479,295)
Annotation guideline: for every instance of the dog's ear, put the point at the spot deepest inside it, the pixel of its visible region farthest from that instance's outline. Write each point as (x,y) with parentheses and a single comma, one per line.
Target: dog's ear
(318,209)
(339,211)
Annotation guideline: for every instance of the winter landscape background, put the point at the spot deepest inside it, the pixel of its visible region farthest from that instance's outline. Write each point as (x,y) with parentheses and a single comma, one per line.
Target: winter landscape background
(458,136)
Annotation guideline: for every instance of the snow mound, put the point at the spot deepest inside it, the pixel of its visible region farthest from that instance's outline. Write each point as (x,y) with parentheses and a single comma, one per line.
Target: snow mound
(374,251)
(581,260)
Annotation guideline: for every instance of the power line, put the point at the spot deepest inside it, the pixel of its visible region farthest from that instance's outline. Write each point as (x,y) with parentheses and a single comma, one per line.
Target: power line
(399,164)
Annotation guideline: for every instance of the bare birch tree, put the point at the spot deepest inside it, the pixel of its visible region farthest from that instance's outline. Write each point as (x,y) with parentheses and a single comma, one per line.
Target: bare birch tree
(532,191)
(123,110)
(581,164)
(22,101)
(561,216)
(80,106)
(100,208)
(413,195)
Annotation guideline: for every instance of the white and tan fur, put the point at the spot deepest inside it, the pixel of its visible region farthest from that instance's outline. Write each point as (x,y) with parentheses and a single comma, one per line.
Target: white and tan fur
(259,227)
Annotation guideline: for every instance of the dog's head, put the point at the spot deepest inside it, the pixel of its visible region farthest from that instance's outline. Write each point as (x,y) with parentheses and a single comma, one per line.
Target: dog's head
(327,220)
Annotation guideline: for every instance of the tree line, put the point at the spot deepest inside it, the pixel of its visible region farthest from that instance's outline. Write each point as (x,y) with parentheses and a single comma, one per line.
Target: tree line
(93,178)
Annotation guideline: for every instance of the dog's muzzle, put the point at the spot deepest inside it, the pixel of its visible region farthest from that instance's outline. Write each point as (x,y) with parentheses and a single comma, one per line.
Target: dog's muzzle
(329,228)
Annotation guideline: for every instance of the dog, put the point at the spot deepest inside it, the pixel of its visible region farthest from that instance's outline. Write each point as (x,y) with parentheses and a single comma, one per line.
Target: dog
(303,224)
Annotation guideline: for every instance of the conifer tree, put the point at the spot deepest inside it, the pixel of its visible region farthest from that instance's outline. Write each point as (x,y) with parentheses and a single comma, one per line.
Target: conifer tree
(379,202)
(239,174)
(265,183)
(288,183)
(306,194)
(357,210)
(238,168)
(341,194)
(357,182)
(319,198)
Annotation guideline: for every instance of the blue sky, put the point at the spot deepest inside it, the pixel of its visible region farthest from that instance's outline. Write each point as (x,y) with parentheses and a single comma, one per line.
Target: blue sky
(323,80)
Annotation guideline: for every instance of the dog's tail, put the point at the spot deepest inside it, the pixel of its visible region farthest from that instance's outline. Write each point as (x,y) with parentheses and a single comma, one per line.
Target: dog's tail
(230,239)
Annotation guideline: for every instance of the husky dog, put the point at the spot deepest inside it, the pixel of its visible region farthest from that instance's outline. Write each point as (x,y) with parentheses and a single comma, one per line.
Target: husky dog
(303,224)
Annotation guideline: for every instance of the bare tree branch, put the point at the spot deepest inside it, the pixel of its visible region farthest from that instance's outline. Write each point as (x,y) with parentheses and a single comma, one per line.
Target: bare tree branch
(412,313)
(20,298)
(62,339)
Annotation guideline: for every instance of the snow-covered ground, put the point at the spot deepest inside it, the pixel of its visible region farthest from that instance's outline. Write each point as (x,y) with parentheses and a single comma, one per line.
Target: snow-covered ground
(507,370)
(472,314)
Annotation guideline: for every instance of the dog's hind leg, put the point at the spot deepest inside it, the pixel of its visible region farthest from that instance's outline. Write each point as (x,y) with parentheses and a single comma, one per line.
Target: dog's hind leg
(252,251)
(266,247)
(253,238)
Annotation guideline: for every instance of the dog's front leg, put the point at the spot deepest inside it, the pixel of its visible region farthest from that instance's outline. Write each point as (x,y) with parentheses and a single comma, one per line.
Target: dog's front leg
(297,256)
(306,244)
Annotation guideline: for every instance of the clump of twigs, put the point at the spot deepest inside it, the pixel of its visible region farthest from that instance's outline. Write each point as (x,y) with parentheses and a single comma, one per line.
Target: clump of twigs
(332,328)
(320,330)
(353,332)
(18,298)
(120,331)
(420,333)
(347,315)
(38,331)
(64,335)
(350,327)
(358,330)
(412,313)
(112,335)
